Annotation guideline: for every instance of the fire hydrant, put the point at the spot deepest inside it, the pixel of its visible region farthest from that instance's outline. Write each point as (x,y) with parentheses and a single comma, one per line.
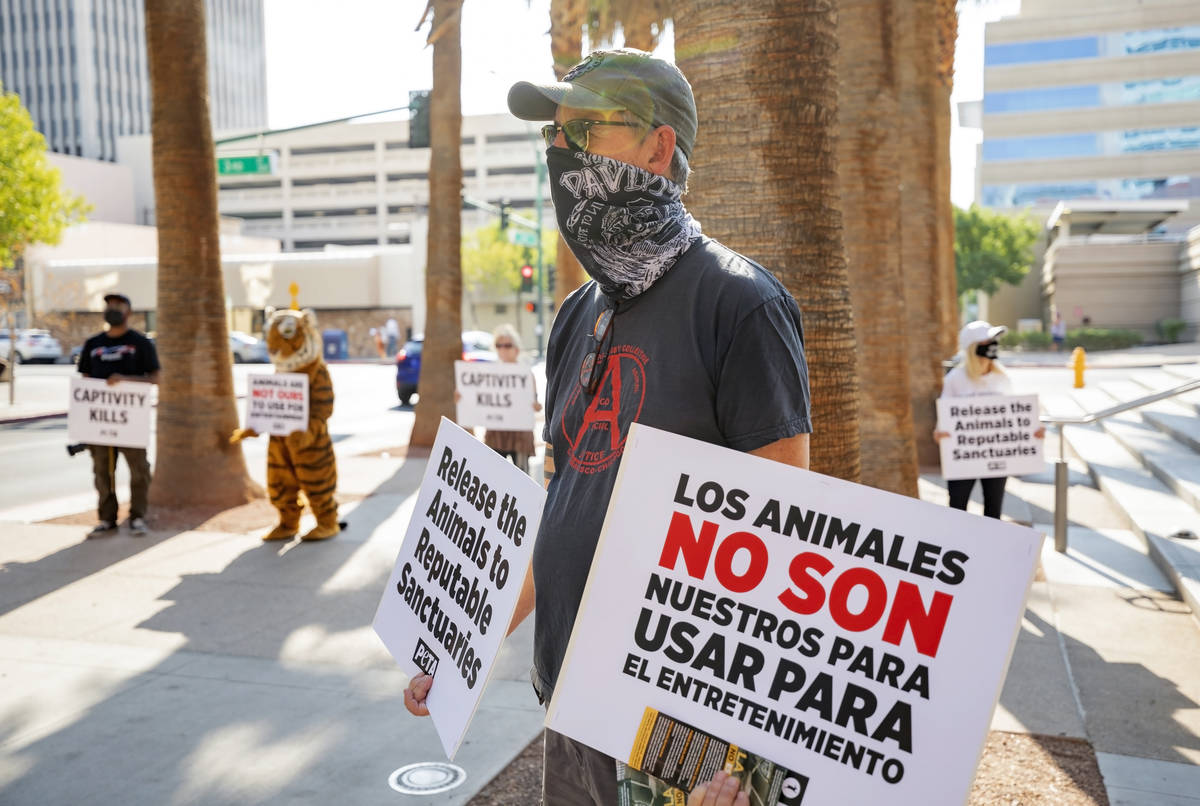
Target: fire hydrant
(1079,364)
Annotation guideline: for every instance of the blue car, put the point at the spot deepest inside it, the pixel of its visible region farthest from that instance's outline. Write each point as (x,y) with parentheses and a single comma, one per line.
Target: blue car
(477,346)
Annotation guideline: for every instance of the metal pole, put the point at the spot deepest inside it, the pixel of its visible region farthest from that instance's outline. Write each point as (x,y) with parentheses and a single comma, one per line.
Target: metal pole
(1060,495)
(12,358)
(541,271)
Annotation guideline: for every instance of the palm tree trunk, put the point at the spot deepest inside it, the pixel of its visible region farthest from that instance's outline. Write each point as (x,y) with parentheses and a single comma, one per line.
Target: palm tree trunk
(195,463)
(868,158)
(919,252)
(567,19)
(765,183)
(947,29)
(443,263)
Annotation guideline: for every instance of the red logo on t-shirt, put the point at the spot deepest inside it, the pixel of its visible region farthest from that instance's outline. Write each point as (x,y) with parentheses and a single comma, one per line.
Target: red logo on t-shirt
(595,427)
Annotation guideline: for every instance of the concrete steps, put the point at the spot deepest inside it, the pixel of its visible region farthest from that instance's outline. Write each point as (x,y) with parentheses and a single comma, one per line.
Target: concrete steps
(1146,464)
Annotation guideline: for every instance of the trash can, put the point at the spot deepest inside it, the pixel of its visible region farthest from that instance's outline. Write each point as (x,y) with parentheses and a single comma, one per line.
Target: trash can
(337,344)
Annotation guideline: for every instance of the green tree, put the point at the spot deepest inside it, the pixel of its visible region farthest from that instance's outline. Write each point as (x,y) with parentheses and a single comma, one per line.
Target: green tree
(34,208)
(491,263)
(991,249)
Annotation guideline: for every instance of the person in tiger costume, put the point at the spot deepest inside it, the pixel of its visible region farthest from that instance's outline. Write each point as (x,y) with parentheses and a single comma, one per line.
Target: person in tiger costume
(303,460)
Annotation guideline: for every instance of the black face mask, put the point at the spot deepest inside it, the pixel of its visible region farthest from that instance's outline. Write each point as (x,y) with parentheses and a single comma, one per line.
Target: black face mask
(114,316)
(989,350)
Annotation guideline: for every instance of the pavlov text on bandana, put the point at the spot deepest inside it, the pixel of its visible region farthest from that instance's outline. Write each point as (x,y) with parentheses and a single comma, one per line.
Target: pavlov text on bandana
(625,225)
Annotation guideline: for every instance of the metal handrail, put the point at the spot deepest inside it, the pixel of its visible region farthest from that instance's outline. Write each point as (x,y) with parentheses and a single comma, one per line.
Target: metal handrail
(1060,466)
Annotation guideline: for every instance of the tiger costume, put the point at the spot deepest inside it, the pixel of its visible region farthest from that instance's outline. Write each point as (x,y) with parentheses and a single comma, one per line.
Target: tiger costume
(303,460)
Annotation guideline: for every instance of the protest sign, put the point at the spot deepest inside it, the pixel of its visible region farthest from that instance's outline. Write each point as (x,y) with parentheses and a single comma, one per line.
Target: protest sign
(277,404)
(455,584)
(856,637)
(118,415)
(990,436)
(498,396)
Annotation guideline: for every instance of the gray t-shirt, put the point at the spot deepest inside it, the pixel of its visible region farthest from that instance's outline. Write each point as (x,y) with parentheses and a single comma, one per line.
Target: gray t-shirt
(714,350)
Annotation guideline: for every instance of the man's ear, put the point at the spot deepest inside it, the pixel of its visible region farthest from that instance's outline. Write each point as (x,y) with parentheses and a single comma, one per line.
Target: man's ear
(663,139)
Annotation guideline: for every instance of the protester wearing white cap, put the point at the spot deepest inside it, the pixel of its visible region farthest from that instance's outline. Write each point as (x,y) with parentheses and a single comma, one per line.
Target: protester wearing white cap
(978,374)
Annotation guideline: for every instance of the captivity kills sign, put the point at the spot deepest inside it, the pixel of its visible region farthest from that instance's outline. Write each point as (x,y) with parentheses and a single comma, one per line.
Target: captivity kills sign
(118,415)
(497,396)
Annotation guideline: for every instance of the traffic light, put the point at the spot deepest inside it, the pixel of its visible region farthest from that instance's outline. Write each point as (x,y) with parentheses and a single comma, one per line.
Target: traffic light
(526,279)
(504,210)
(418,122)
(531,307)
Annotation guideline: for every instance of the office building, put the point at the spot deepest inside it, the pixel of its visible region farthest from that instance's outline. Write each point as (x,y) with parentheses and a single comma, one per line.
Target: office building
(359,184)
(1092,99)
(80,68)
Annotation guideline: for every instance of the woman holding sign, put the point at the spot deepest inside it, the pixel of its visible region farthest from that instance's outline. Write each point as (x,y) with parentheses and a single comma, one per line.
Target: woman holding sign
(979,374)
(516,446)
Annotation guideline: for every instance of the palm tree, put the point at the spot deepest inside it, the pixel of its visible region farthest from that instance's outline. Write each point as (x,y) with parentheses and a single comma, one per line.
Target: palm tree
(443,263)
(868,159)
(947,32)
(916,36)
(196,412)
(765,183)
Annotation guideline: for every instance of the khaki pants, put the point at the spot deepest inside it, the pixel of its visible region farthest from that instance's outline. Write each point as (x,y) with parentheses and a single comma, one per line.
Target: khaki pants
(104,469)
(574,774)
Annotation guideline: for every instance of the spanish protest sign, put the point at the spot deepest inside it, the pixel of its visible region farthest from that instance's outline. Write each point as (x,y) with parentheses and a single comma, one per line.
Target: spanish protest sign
(118,415)
(498,396)
(990,436)
(455,584)
(277,404)
(856,637)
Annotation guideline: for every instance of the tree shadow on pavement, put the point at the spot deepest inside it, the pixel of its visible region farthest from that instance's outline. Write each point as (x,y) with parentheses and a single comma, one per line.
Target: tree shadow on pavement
(274,687)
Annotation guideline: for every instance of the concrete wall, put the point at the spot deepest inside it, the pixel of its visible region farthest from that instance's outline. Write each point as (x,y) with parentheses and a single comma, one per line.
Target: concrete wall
(1189,285)
(1117,285)
(107,187)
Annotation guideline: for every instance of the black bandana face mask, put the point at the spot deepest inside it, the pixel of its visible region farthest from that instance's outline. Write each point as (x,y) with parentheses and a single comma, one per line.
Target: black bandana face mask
(988,350)
(625,225)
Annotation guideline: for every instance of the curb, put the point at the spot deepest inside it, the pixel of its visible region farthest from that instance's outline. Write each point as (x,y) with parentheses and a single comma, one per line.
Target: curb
(28,418)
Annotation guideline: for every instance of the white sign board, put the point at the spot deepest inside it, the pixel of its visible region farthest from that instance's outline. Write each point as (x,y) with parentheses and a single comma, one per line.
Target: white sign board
(452,593)
(990,435)
(498,396)
(118,415)
(857,637)
(277,404)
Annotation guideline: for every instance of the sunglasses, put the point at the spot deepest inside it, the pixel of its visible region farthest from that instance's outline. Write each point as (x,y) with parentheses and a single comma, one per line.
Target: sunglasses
(591,371)
(578,132)
(505,345)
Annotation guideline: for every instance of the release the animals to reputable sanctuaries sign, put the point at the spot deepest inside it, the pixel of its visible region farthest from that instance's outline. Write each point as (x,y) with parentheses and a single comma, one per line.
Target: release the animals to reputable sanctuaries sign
(990,435)
(277,404)
(102,414)
(451,595)
(856,637)
(498,396)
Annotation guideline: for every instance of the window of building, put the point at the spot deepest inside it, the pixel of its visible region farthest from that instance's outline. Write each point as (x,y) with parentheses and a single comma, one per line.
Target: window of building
(1047,194)
(517,170)
(251,185)
(332,149)
(407,176)
(513,138)
(1084,96)
(338,211)
(1113,45)
(342,242)
(333,180)
(256,215)
(397,240)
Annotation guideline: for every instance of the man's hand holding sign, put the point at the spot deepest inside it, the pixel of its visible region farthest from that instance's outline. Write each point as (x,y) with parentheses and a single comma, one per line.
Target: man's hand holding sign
(847,633)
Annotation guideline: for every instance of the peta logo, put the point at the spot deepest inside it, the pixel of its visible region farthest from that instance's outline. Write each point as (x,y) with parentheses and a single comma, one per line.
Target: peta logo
(996,465)
(425,658)
(792,791)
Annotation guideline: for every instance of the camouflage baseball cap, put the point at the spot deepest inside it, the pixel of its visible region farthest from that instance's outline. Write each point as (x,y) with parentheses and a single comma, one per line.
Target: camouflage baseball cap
(651,89)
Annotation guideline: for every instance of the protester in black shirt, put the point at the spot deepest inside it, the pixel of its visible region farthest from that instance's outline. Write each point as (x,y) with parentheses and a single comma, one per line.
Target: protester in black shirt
(119,354)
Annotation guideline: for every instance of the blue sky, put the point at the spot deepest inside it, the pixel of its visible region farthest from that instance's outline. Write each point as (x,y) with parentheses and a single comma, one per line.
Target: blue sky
(328,60)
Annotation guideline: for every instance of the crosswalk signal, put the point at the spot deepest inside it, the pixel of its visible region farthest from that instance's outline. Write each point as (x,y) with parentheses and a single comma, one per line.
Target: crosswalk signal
(531,306)
(526,279)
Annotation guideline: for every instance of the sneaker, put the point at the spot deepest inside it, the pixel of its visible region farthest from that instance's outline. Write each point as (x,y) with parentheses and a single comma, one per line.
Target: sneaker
(137,527)
(103,529)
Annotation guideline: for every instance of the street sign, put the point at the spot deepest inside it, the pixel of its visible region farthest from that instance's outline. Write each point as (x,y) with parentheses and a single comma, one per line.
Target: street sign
(255,164)
(522,237)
